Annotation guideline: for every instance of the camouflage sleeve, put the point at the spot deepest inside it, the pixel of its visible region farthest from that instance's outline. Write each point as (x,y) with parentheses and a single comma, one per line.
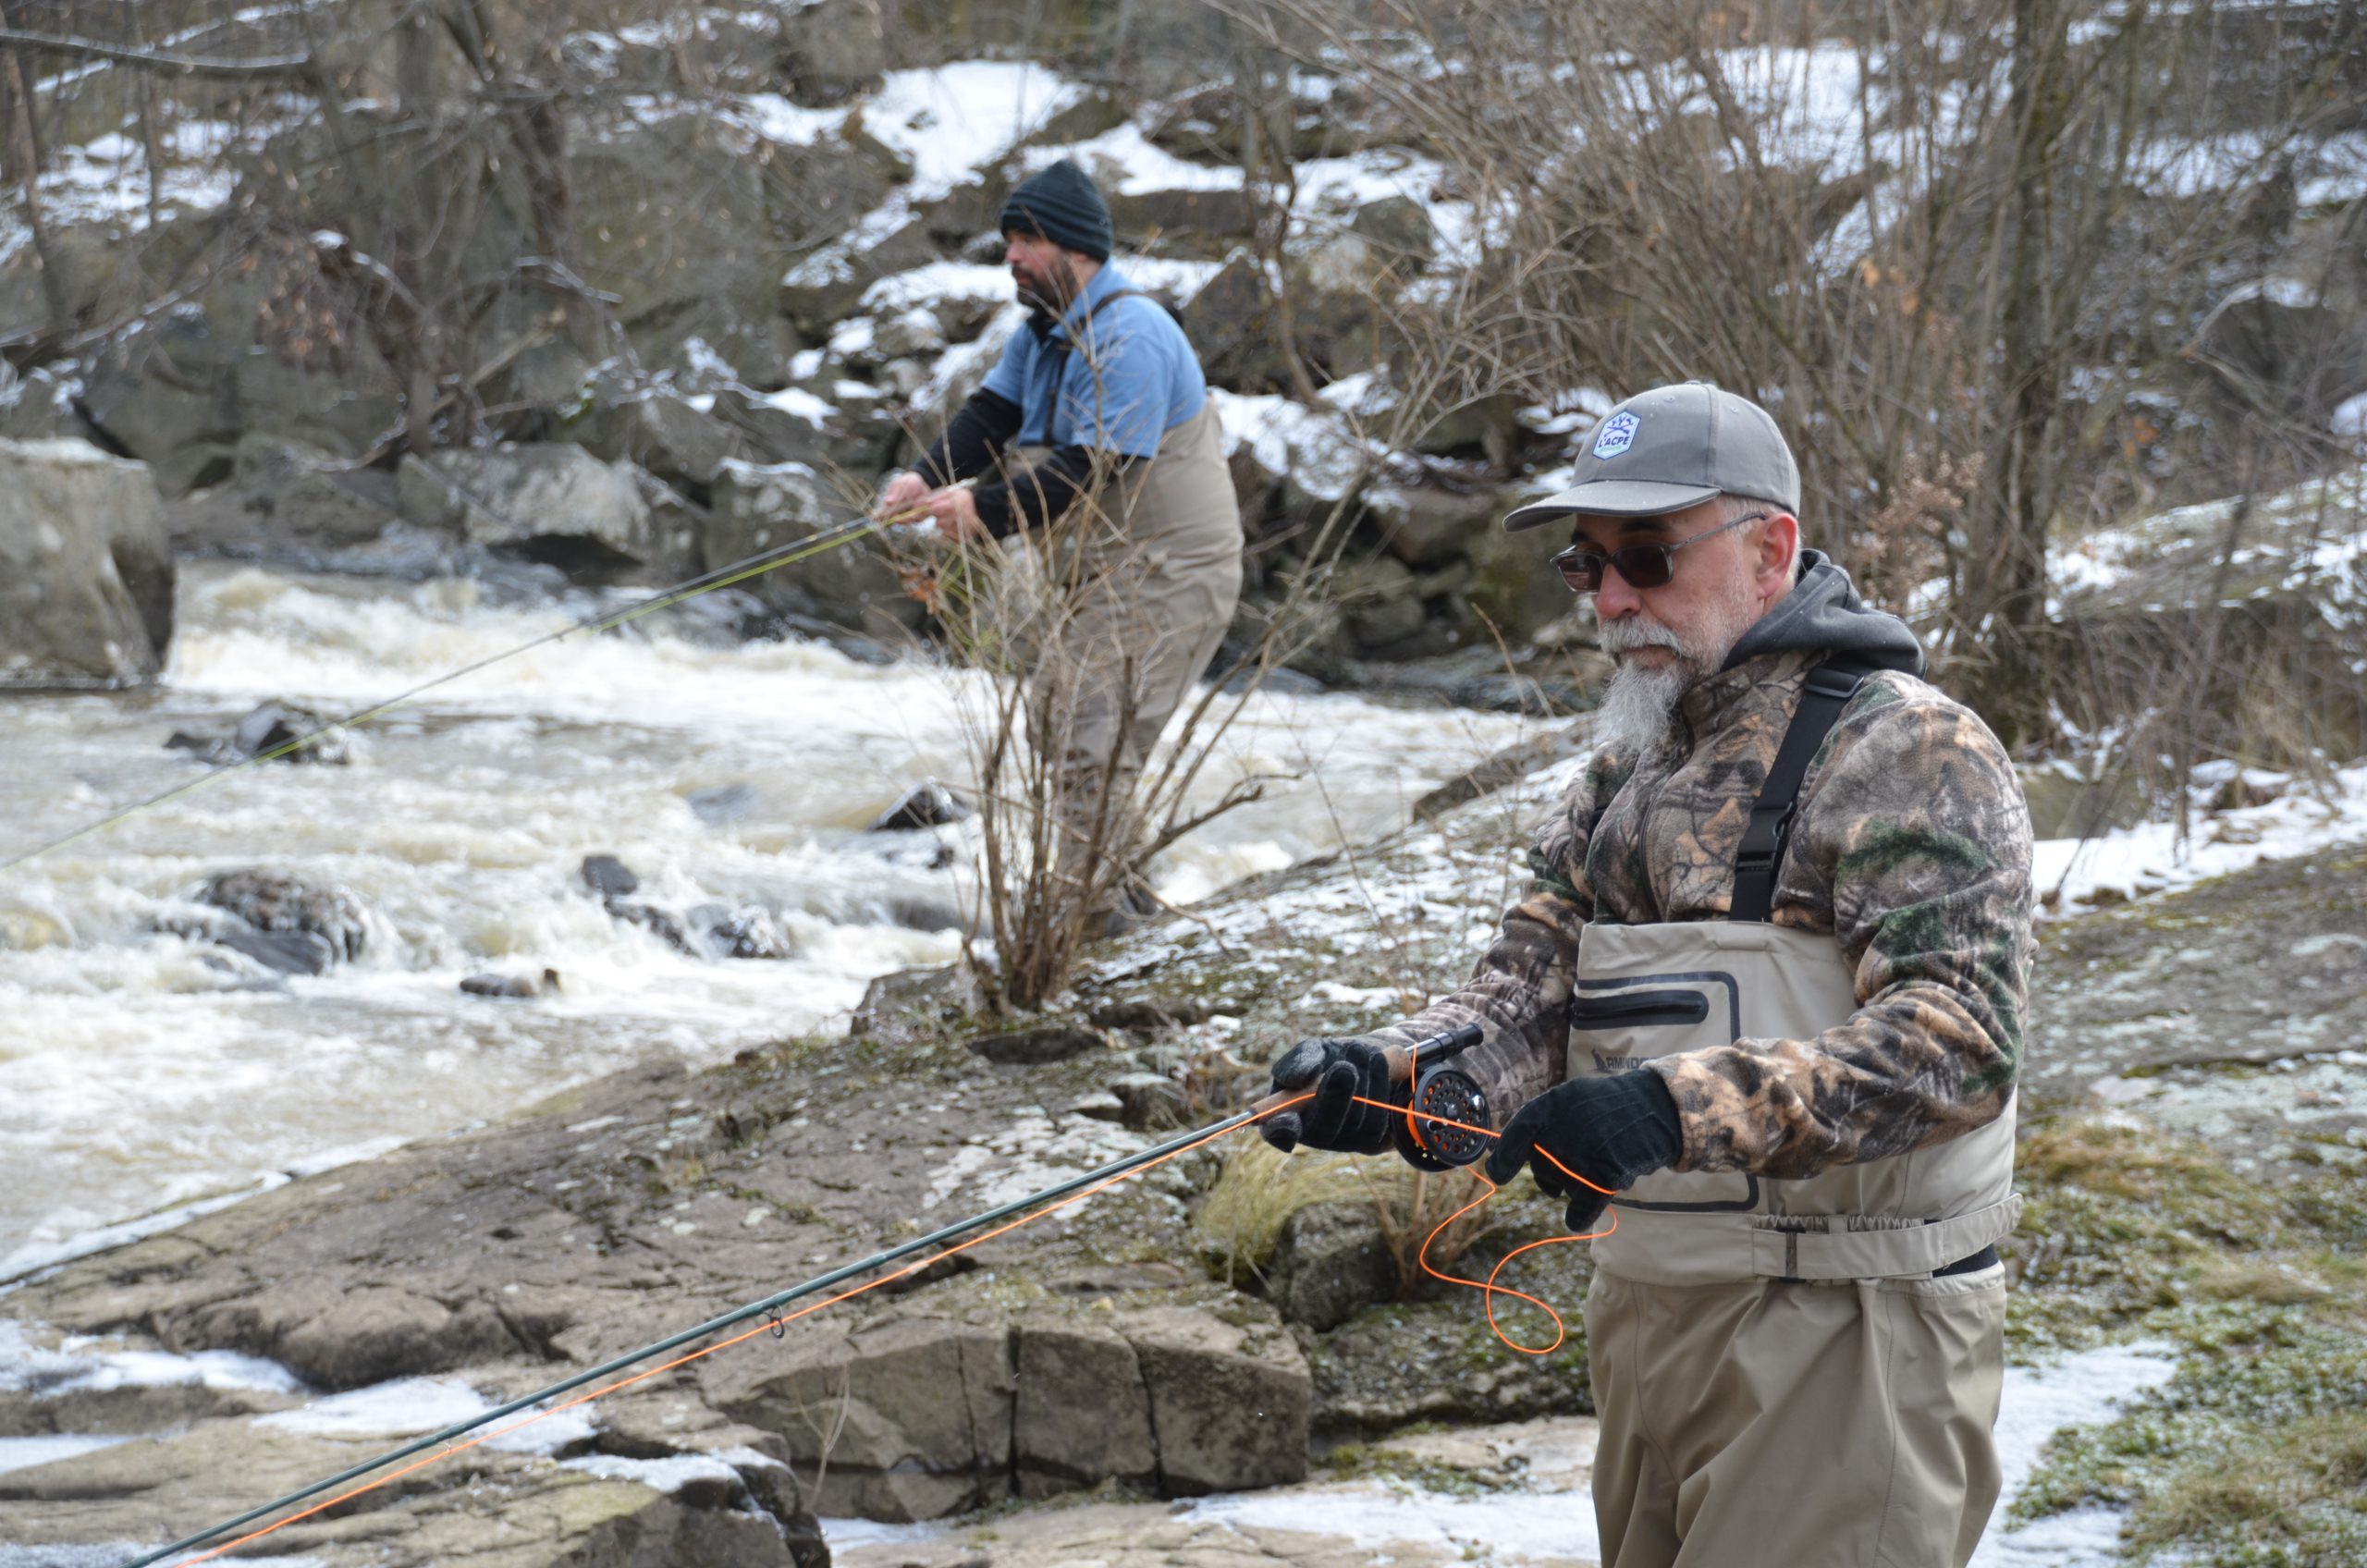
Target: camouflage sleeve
(1913,831)
(1519,991)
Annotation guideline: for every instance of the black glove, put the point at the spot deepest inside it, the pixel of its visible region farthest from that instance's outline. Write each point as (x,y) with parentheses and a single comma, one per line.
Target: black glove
(1338,1071)
(1612,1130)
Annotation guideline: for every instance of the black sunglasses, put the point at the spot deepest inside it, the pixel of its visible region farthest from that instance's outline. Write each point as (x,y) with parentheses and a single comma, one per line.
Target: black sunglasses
(1640,566)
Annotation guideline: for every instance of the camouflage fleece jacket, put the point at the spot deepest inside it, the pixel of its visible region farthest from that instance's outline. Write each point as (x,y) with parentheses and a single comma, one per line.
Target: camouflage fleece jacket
(1911,846)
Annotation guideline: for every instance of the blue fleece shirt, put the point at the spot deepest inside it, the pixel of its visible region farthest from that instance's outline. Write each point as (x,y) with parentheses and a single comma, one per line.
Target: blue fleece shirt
(1130,377)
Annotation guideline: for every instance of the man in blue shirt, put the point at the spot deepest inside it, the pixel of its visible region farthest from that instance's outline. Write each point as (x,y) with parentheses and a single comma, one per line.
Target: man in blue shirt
(1095,435)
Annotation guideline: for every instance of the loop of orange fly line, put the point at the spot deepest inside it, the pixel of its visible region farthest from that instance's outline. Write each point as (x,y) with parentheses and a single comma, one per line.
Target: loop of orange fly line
(1488,1288)
(763,1328)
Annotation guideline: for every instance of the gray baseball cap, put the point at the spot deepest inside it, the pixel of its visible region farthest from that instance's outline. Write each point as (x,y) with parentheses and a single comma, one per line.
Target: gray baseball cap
(1672,448)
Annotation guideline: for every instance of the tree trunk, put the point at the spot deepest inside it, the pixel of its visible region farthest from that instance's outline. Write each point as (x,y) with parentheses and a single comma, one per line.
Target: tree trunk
(2009,616)
(25,160)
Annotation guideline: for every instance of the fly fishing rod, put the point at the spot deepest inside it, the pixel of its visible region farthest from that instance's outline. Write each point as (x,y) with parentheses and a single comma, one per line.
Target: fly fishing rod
(1403,1061)
(796,550)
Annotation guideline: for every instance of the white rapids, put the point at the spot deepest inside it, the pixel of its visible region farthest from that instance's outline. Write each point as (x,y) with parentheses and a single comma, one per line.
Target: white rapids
(137,1076)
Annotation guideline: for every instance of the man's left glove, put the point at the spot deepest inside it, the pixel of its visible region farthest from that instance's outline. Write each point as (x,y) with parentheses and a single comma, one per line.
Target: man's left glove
(1612,1130)
(1338,1071)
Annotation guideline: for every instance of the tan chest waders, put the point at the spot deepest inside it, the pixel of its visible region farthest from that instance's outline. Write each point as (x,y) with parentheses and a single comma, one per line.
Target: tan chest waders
(1788,1372)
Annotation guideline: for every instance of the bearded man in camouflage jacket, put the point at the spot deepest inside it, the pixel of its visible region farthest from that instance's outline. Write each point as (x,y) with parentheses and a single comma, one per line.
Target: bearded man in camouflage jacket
(1767,989)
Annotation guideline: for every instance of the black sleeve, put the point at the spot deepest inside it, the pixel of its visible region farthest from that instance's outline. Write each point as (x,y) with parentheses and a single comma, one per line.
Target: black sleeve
(1035,497)
(979,430)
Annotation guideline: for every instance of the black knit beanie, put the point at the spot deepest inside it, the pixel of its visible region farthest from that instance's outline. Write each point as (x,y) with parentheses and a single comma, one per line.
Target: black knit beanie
(1062,205)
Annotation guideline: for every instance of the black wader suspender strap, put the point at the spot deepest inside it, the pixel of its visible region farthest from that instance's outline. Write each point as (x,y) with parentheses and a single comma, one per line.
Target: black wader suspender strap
(1059,348)
(1829,688)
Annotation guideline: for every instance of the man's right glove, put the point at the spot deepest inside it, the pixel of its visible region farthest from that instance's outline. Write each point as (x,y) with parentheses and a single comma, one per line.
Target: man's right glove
(1612,1130)
(1338,1071)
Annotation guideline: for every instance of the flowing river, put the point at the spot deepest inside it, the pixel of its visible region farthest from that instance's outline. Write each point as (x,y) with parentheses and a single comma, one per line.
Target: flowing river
(142,1071)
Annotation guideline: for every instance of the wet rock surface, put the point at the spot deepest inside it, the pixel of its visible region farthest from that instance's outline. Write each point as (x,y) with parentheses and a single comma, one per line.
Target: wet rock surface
(279,905)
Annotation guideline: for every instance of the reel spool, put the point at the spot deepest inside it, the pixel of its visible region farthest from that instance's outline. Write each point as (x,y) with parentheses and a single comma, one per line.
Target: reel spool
(1454,1096)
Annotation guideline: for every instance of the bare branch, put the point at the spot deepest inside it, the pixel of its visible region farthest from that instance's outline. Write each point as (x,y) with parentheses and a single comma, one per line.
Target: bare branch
(268,69)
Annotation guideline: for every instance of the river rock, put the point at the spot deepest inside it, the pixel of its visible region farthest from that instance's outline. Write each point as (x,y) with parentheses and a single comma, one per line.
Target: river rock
(1152,1015)
(512,986)
(925,804)
(751,932)
(662,924)
(1401,227)
(721,804)
(265,732)
(1148,1101)
(1188,221)
(1228,1402)
(608,877)
(344,1337)
(547,501)
(679,219)
(86,570)
(271,901)
(289,952)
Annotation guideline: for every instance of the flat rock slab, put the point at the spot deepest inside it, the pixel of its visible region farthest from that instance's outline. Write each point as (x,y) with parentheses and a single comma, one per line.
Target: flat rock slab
(2235,1011)
(485,1507)
(1515,1495)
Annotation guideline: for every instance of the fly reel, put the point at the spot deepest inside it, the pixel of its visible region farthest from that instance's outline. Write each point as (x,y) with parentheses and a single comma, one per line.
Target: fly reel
(1444,1097)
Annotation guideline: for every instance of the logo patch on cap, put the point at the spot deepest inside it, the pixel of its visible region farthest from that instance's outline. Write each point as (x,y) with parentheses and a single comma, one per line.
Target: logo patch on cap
(1618,434)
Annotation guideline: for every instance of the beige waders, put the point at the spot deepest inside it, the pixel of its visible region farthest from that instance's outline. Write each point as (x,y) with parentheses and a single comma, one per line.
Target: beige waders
(1785,1374)
(1141,590)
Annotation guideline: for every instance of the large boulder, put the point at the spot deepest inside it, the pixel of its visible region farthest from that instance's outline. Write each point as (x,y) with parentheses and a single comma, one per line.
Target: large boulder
(910,1416)
(1429,522)
(86,570)
(1082,1412)
(1233,322)
(626,418)
(180,392)
(679,220)
(549,501)
(919,1416)
(284,499)
(1228,1400)
(758,508)
(823,289)
(828,51)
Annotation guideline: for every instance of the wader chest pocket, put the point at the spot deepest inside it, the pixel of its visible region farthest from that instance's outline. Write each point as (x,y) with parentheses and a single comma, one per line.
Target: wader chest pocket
(1639,1010)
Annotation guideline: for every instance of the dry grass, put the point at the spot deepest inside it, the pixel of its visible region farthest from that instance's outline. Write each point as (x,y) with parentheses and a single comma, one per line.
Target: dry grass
(1241,1221)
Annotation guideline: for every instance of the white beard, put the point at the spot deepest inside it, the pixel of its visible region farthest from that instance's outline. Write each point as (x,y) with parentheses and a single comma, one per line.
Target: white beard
(1637,703)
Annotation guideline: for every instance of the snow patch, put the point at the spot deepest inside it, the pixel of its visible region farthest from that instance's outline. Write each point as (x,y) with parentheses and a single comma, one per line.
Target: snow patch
(669,1475)
(2151,857)
(408,1406)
